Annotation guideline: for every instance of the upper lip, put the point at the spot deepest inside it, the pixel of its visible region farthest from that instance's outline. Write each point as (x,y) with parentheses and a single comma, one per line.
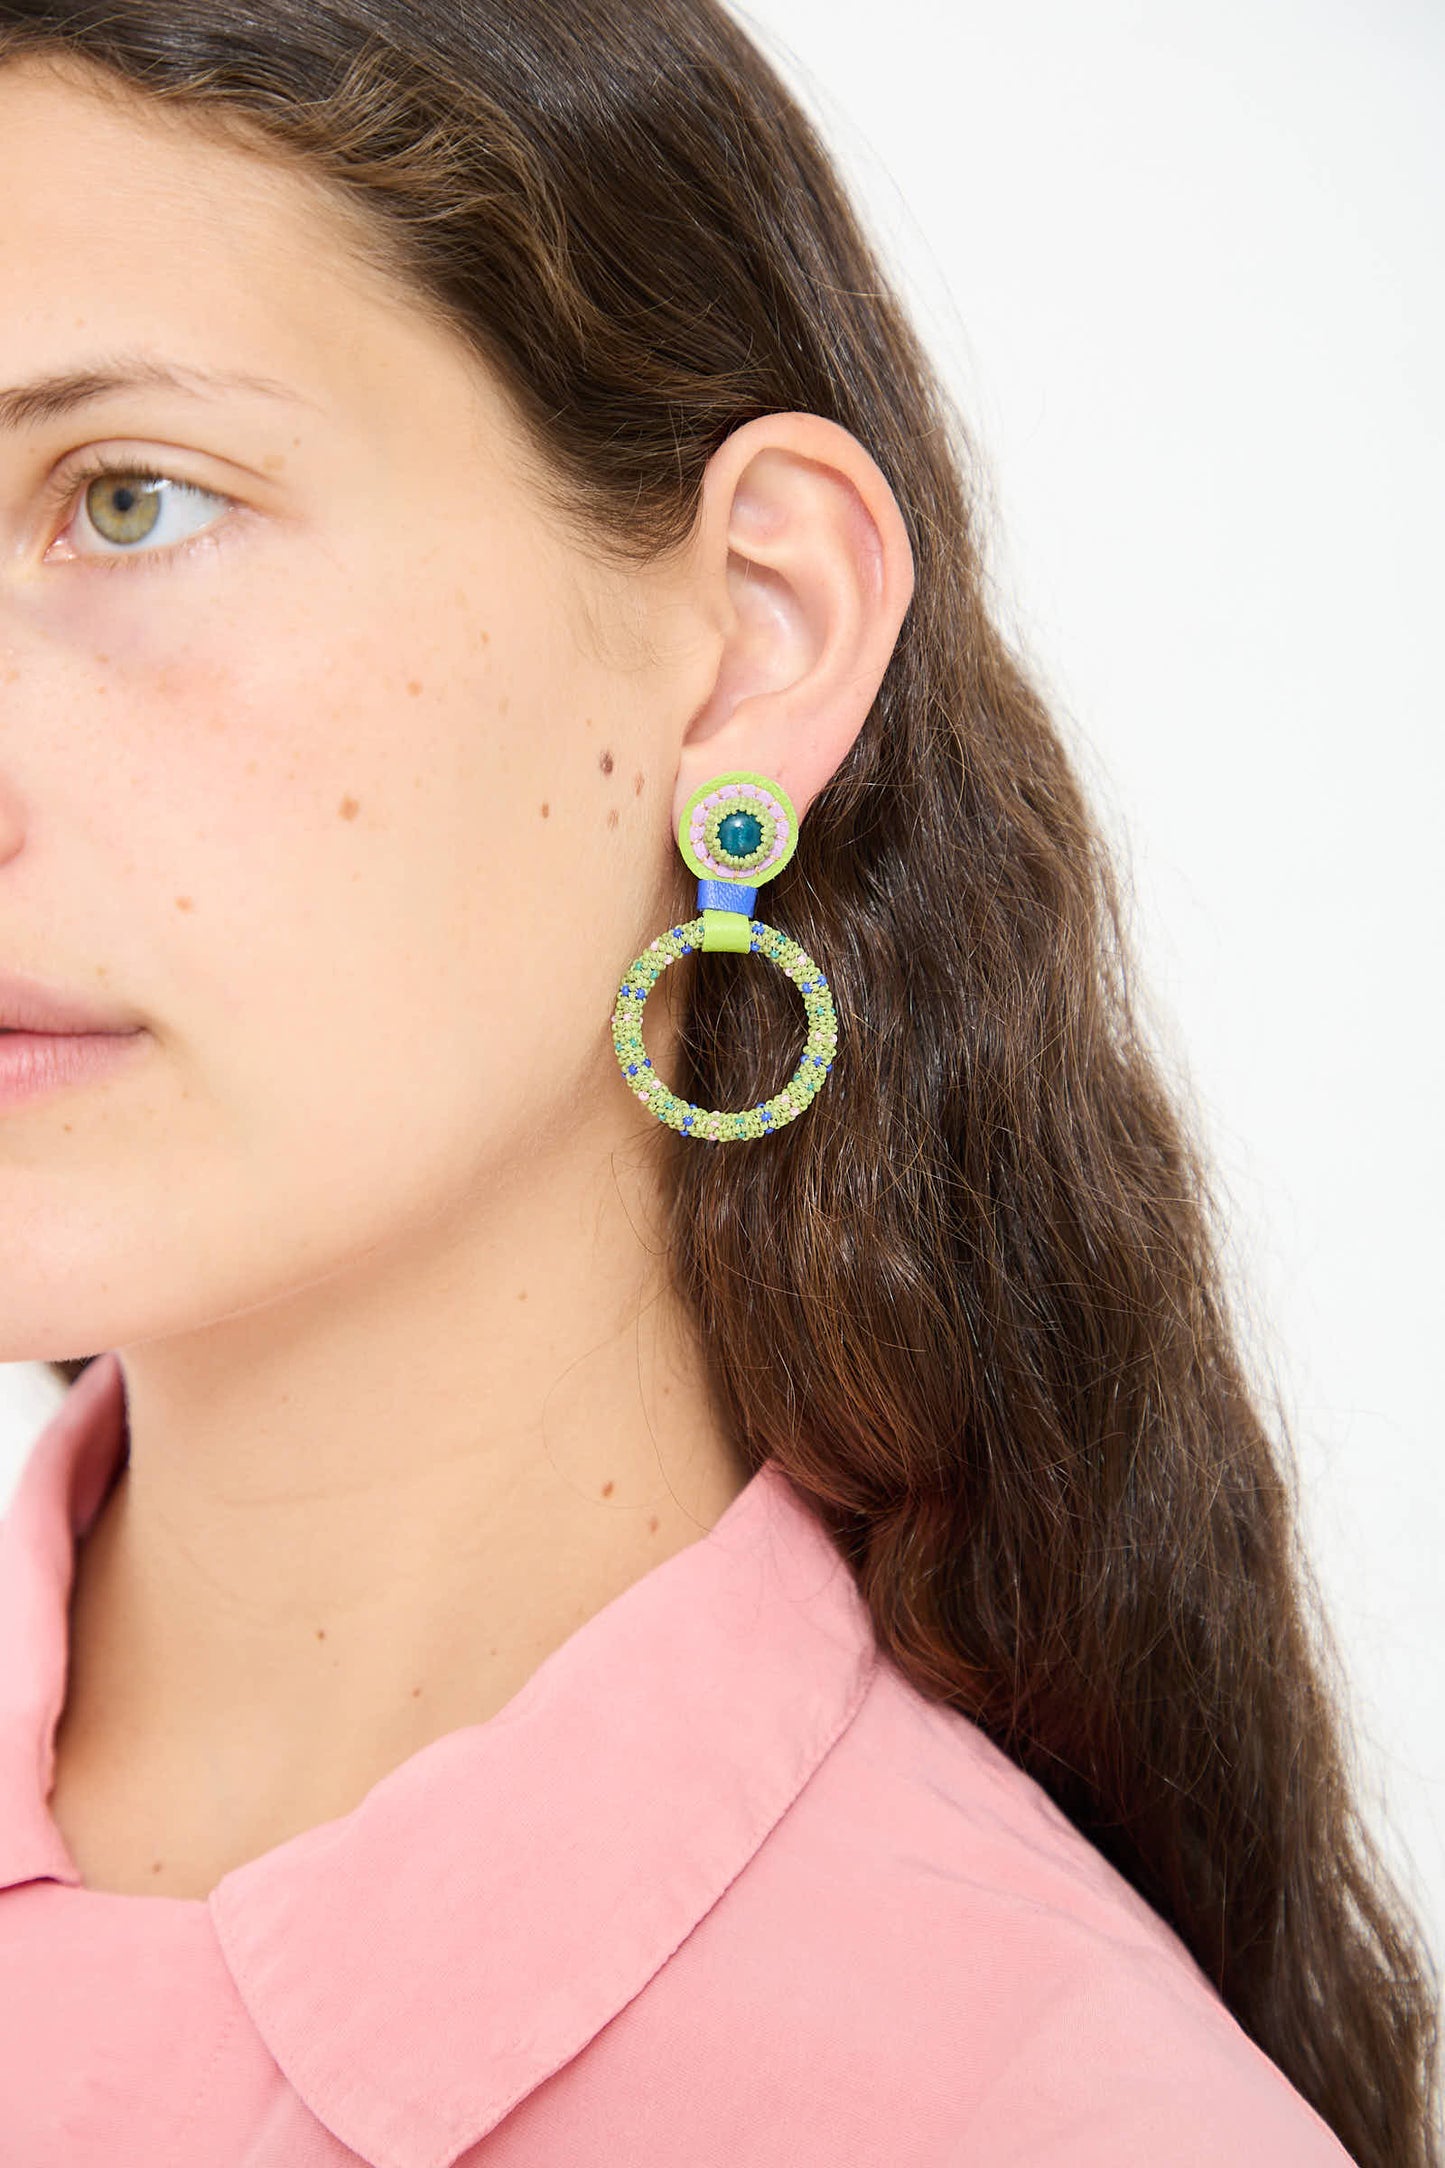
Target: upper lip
(26,1005)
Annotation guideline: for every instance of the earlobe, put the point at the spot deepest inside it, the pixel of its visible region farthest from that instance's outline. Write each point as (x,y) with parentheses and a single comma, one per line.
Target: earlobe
(806,566)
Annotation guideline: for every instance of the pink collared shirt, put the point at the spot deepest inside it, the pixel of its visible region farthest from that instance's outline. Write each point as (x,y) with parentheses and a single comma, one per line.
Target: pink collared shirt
(716,1889)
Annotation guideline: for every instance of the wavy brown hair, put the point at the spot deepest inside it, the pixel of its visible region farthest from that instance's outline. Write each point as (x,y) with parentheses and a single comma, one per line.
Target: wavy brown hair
(975,1302)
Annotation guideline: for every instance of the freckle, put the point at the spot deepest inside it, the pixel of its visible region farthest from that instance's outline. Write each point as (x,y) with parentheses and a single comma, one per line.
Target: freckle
(605,763)
(349,809)
(413,686)
(652,1526)
(485,638)
(546,809)
(607,1489)
(156,1866)
(504,705)
(415,1691)
(637,782)
(612,818)
(521,1294)
(185,903)
(251,767)
(321,1633)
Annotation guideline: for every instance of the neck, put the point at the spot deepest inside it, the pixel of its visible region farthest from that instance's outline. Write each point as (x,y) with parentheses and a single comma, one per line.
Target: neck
(360,1516)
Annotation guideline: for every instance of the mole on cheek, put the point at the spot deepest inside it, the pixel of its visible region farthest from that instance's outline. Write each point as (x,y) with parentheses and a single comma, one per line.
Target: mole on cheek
(349,808)
(546,809)
(605,763)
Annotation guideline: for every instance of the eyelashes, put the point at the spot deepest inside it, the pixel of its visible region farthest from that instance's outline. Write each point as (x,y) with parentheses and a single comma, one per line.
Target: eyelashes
(70,481)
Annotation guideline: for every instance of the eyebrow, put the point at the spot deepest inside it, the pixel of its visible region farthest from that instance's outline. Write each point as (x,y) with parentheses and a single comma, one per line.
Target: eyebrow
(47,398)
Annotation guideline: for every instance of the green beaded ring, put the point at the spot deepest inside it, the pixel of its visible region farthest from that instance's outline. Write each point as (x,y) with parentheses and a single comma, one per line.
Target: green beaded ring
(709,1122)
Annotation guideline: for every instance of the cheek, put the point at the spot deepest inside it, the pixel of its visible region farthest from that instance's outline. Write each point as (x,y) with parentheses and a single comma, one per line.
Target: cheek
(400,864)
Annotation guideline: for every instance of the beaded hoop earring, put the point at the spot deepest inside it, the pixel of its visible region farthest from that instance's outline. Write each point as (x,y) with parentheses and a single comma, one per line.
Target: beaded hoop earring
(736,831)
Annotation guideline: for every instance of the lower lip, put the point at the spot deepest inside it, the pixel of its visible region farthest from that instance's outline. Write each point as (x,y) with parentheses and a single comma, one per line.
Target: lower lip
(32,1062)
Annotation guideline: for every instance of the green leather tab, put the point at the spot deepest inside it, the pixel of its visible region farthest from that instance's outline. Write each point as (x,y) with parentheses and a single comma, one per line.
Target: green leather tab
(727,930)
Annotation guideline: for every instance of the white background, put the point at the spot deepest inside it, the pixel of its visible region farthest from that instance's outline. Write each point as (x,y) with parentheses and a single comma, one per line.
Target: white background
(1182,266)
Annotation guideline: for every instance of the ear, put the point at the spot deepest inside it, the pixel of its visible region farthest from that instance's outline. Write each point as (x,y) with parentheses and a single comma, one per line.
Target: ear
(802,566)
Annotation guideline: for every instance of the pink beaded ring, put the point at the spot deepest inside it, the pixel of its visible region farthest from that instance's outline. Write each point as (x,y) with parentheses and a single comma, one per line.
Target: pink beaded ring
(737,831)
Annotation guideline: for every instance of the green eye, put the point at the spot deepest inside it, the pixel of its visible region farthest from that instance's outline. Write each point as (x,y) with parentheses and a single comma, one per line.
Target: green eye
(127,506)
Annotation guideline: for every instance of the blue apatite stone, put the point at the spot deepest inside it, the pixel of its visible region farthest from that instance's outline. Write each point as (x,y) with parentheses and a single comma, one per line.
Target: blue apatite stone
(740,834)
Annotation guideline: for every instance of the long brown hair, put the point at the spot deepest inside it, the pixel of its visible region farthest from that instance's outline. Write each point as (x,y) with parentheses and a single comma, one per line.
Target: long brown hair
(974,1302)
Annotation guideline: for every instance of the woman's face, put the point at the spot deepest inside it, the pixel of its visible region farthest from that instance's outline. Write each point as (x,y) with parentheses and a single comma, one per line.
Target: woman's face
(334,763)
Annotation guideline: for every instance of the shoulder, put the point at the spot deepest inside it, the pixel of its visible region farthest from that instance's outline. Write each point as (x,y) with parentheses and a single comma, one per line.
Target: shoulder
(927,1928)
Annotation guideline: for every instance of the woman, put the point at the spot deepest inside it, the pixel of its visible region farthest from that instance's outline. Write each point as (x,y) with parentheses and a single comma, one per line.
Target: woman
(716,1595)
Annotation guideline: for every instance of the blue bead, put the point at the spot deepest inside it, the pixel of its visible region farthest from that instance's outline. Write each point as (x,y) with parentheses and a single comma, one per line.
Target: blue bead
(687,948)
(740,834)
(646,1061)
(817,1061)
(632,1068)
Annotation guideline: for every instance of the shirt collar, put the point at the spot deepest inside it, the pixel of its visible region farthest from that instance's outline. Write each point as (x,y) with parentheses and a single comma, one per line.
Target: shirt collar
(419,1965)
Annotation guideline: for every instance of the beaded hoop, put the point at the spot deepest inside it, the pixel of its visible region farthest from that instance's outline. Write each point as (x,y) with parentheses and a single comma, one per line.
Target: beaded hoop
(737,831)
(710,1122)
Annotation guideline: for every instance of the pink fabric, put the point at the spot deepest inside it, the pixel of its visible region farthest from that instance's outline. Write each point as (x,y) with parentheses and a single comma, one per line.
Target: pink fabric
(716,1887)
